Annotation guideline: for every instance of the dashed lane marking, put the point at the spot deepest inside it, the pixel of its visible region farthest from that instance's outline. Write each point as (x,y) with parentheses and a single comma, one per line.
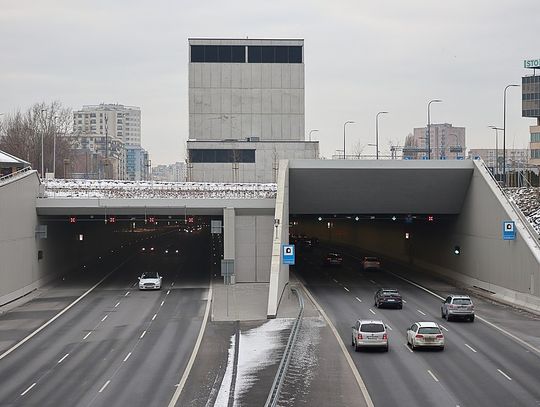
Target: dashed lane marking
(104,386)
(127,357)
(358,299)
(373,312)
(104,318)
(389,327)
(443,327)
(408,348)
(142,335)
(154,317)
(168,292)
(432,375)
(423,313)
(504,374)
(28,389)
(471,348)
(63,358)
(162,302)
(126,294)
(346,289)
(404,302)
(117,304)
(87,335)
(372,282)
(335,281)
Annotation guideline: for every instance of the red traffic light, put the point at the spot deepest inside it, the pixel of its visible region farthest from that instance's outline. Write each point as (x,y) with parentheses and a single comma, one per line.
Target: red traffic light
(72,219)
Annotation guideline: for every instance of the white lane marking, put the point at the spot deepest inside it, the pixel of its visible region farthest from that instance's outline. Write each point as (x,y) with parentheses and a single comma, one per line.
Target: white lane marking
(63,358)
(182,382)
(373,282)
(127,357)
(389,327)
(471,348)
(358,299)
(50,321)
(87,335)
(105,385)
(117,304)
(348,357)
(168,292)
(404,302)
(126,294)
(373,312)
(104,318)
(514,337)
(432,375)
(504,374)
(172,284)
(346,289)
(334,280)
(142,335)
(162,302)
(443,327)
(28,389)
(154,317)
(423,313)
(408,347)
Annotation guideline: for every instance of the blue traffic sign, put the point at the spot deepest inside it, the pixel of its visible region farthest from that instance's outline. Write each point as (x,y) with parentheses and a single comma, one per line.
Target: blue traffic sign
(288,254)
(509,230)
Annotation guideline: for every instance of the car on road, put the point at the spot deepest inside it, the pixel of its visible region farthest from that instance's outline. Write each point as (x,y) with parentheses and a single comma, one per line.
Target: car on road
(457,306)
(371,263)
(369,333)
(425,334)
(333,259)
(389,297)
(150,280)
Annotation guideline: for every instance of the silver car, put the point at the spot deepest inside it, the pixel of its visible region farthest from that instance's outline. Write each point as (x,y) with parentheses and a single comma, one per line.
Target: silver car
(369,333)
(425,334)
(150,280)
(457,306)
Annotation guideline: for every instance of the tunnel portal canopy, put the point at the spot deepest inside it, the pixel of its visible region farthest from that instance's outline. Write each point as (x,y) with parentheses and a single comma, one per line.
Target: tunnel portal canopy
(377,187)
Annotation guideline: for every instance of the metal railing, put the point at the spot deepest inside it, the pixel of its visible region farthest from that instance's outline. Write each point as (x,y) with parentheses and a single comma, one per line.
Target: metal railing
(4,179)
(273,396)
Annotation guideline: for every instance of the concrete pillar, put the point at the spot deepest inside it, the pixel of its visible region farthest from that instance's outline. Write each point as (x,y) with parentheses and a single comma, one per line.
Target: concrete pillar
(229,242)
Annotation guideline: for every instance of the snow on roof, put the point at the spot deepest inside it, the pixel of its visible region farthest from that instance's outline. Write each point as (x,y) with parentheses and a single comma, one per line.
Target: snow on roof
(73,188)
(6,158)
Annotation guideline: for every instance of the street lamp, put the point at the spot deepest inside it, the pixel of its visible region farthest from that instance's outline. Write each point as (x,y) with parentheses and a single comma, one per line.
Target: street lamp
(54,146)
(429,125)
(377,134)
(504,132)
(344,125)
(42,131)
(311,131)
(496,147)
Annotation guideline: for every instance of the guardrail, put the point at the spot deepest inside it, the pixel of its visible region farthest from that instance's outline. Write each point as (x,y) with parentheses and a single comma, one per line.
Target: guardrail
(8,177)
(273,396)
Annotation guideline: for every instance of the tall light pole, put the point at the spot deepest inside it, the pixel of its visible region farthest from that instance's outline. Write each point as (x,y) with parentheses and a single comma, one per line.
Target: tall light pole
(504,132)
(42,131)
(429,125)
(377,134)
(54,147)
(496,148)
(311,131)
(344,125)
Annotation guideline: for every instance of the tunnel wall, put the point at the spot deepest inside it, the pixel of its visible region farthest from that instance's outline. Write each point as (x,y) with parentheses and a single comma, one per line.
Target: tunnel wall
(253,248)
(19,271)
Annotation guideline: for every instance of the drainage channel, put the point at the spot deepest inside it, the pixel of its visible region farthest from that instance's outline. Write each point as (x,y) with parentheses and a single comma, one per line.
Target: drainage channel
(273,396)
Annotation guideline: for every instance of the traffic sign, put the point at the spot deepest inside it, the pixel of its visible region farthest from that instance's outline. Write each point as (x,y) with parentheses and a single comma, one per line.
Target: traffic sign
(288,254)
(509,230)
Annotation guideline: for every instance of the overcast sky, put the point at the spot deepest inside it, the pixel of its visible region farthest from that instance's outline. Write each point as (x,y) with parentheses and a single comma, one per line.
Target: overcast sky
(361,57)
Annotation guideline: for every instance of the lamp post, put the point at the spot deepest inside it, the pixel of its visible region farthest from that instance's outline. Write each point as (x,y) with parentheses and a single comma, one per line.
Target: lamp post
(504,132)
(311,131)
(496,148)
(344,125)
(429,125)
(54,147)
(42,131)
(377,134)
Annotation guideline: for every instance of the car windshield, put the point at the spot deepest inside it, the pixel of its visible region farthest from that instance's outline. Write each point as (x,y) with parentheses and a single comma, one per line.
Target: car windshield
(150,275)
(429,330)
(372,327)
(462,301)
(371,259)
(333,255)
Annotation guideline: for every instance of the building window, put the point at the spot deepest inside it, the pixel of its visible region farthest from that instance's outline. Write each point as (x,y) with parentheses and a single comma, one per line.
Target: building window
(278,54)
(535,137)
(535,153)
(221,156)
(218,53)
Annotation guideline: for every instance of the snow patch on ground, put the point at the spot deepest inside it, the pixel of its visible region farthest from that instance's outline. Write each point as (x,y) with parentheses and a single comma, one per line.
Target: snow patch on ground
(528,201)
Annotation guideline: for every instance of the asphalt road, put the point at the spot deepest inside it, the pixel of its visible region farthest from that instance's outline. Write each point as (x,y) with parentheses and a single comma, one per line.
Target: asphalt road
(118,346)
(479,367)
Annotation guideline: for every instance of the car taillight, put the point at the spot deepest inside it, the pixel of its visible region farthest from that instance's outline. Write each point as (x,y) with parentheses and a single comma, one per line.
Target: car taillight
(359,336)
(439,336)
(419,336)
(385,336)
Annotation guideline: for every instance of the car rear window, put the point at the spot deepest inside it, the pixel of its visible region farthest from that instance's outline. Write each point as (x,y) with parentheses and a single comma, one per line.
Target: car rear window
(390,293)
(372,328)
(371,259)
(461,301)
(429,330)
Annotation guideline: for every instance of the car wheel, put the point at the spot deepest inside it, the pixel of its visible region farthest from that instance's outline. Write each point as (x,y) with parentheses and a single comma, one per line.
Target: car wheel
(441,348)
(442,313)
(412,345)
(471,318)
(386,348)
(376,305)
(448,317)
(400,306)
(352,340)
(356,348)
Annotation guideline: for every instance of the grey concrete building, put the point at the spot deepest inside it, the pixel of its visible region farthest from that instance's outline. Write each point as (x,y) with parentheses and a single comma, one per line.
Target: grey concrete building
(246,108)
(530,87)
(447,142)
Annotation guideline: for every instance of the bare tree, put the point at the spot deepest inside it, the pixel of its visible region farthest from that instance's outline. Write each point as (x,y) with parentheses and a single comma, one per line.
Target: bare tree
(21,134)
(358,149)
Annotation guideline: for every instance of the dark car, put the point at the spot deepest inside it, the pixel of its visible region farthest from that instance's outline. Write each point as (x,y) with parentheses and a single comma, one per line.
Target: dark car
(333,259)
(388,297)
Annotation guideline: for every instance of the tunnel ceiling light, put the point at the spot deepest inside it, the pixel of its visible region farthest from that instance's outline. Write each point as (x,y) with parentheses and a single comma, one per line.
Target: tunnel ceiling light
(407,235)
(357,218)
(457,250)
(394,218)
(319,218)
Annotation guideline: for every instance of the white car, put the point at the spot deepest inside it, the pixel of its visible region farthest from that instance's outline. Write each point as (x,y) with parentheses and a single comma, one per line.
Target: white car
(150,280)
(371,263)
(425,334)
(369,333)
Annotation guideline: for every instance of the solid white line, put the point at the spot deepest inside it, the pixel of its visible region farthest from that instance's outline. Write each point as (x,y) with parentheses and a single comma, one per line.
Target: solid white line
(471,348)
(117,304)
(358,299)
(348,357)
(421,312)
(126,294)
(105,385)
(432,375)
(404,302)
(154,317)
(28,389)
(373,282)
(504,374)
(104,318)
(127,357)
(373,312)
(182,382)
(408,348)
(142,335)
(389,327)
(168,292)
(346,289)
(50,321)
(65,356)
(87,335)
